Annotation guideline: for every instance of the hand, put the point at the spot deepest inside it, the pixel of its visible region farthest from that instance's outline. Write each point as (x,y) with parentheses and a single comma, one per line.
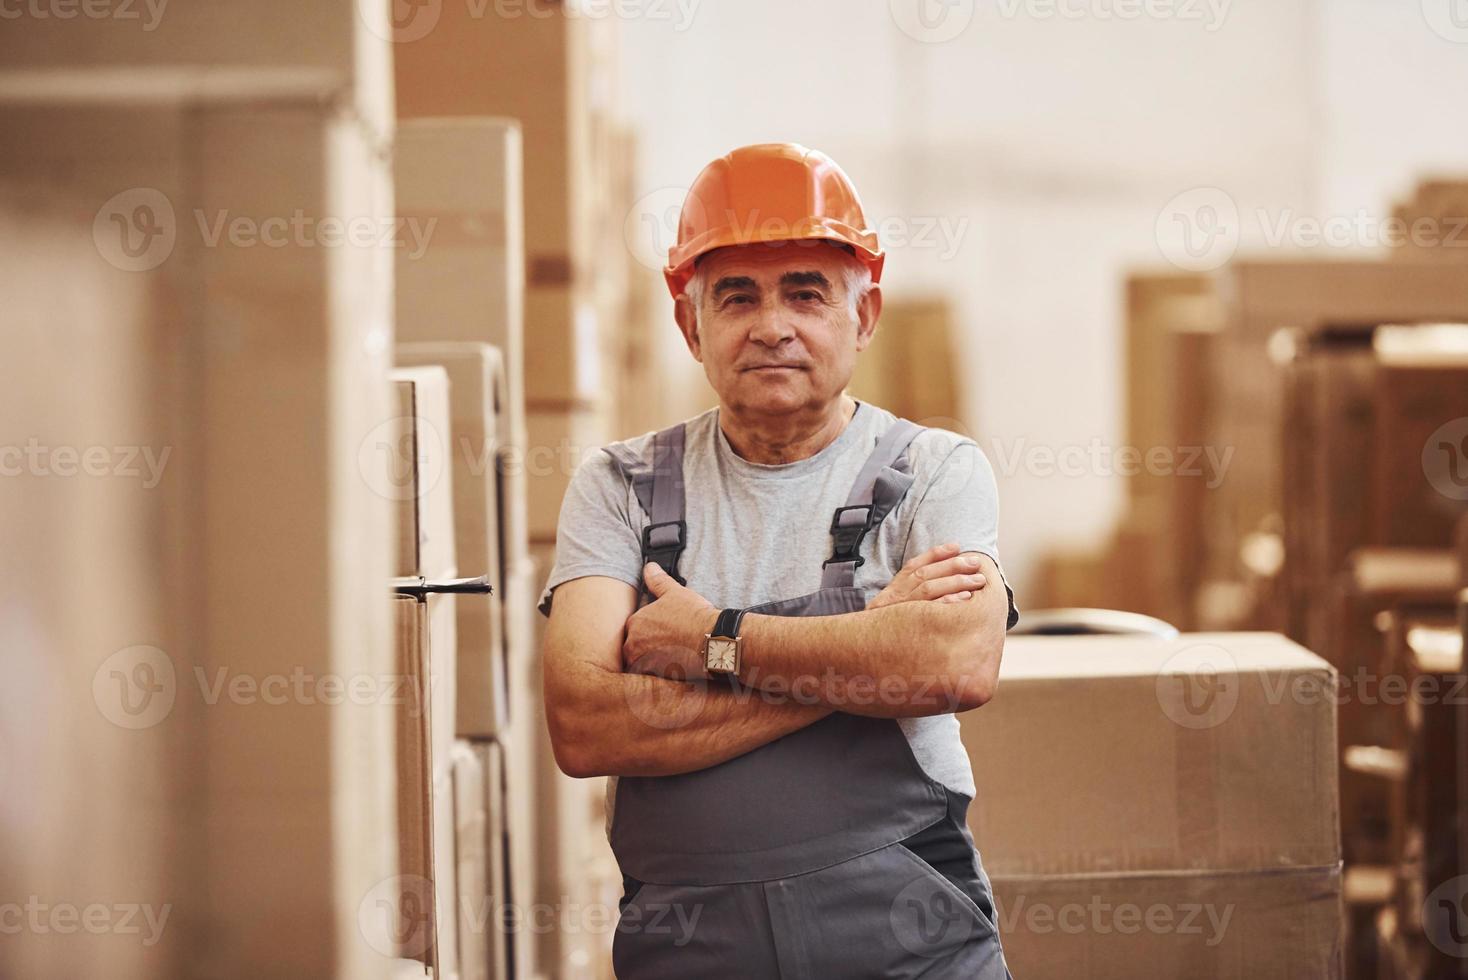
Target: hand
(939,574)
(665,637)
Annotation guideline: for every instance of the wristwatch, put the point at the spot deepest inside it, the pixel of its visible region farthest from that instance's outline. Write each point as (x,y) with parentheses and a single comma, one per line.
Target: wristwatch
(721,647)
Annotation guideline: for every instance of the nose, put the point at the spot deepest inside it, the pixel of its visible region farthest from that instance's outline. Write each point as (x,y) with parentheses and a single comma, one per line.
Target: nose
(771,328)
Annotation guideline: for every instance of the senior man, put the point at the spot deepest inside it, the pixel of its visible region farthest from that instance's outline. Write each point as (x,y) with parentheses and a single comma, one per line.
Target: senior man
(765,617)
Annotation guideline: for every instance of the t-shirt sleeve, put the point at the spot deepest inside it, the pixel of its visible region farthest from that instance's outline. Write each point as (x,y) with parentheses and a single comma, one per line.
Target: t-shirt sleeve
(961,504)
(595,534)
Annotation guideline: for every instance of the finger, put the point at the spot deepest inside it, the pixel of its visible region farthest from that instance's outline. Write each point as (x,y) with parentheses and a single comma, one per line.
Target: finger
(957,565)
(939,587)
(658,581)
(955,597)
(935,553)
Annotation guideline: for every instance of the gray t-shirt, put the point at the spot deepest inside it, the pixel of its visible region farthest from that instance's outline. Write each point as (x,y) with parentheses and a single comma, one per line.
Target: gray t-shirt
(759,532)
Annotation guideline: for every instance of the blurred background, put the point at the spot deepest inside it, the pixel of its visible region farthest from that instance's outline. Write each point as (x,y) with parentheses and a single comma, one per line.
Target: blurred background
(304,299)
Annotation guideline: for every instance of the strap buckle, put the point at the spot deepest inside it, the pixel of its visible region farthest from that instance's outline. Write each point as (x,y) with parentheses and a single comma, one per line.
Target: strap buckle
(667,548)
(848,529)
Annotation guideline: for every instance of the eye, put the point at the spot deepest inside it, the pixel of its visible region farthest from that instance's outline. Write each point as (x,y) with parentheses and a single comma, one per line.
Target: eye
(806,296)
(739,299)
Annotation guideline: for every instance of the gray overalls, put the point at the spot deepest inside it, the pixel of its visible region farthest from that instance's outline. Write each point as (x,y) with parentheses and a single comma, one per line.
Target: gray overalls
(828,853)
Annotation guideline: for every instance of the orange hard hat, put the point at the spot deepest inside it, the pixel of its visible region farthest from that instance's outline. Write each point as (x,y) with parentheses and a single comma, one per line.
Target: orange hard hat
(769,192)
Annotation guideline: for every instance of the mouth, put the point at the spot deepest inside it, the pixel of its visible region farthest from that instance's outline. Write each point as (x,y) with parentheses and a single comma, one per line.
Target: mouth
(775,367)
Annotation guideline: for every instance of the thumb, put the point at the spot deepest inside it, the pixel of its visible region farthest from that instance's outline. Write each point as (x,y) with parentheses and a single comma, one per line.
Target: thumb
(658,581)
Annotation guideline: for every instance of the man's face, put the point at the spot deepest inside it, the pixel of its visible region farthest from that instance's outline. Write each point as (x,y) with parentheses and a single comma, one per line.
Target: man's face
(775,331)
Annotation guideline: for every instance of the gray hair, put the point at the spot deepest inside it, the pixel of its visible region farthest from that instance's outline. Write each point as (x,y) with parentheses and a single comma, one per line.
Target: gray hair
(855,276)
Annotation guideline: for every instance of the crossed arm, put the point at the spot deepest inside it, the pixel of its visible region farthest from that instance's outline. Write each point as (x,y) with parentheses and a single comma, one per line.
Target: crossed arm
(930,643)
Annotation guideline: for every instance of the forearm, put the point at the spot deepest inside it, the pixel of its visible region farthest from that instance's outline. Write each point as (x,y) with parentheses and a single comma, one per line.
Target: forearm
(624,724)
(902,660)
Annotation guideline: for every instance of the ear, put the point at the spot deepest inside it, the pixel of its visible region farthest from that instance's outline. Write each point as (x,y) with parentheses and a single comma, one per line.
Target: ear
(687,318)
(868,311)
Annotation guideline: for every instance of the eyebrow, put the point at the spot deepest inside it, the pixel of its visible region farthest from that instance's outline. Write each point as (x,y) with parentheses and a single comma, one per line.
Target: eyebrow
(805,279)
(729,284)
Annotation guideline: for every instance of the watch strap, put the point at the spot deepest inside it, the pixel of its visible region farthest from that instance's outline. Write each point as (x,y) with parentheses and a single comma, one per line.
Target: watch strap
(728,623)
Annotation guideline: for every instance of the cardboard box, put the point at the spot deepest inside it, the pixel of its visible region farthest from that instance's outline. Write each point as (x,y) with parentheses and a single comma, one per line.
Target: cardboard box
(1214,786)
(428,900)
(1420,464)
(558,442)
(445,956)
(531,62)
(1262,296)
(1188,723)
(539,63)
(498,886)
(249,551)
(1327,432)
(1226,926)
(476,392)
(460,181)
(910,367)
(418,454)
(1376,581)
(520,741)
(1428,652)
(475,897)
(567,367)
(341,40)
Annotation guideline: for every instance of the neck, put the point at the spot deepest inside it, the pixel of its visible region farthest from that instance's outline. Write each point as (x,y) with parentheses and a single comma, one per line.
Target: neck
(786,438)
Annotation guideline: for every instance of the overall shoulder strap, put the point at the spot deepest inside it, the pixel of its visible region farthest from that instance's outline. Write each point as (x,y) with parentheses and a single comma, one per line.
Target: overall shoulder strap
(658,483)
(884,478)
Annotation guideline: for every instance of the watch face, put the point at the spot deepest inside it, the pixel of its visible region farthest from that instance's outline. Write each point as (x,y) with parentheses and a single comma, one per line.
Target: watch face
(722,654)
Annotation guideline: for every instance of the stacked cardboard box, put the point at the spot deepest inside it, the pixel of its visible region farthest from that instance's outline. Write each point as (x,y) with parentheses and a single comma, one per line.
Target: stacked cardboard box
(910,368)
(534,62)
(421,454)
(1154,561)
(1329,377)
(1161,802)
(169,775)
(1433,222)
(1376,582)
(548,68)
(1419,460)
(1260,298)
(459,304)
(477,429)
